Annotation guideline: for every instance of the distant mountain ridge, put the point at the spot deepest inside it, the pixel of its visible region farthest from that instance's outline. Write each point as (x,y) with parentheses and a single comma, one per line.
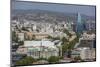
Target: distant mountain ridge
(38,11)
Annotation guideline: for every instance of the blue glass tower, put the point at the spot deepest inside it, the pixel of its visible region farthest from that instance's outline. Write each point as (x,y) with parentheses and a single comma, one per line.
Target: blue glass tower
(79,24)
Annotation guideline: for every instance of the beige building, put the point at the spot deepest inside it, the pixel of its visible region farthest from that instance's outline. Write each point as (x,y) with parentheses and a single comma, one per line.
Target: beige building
(40,35)
(21,50)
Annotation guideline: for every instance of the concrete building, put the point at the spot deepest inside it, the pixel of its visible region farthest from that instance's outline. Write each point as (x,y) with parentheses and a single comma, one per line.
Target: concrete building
(90,25)
(28,35)
(58,34)
(75,53)
(84,53)
(21,50)
(93,53)
(85,48)
(87,40)
(20,36)
(40,35)
(41,49)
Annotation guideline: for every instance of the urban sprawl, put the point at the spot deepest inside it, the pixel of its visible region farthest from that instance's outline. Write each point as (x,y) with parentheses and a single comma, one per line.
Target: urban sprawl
(44,37)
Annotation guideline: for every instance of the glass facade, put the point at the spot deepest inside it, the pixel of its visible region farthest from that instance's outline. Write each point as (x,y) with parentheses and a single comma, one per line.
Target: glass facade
(79,24)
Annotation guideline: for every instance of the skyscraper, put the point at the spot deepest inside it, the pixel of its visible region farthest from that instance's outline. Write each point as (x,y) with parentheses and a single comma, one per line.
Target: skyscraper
(79,24)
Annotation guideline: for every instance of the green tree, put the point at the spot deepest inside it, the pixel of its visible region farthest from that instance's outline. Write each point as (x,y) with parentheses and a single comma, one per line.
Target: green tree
(14,36)
(67,32)
(25,61)
(64,40)
(21,42)
(68,46)
(53,59)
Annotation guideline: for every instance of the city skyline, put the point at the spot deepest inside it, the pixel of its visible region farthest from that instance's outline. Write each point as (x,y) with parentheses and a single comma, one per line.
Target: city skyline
(52,36)
(83,9)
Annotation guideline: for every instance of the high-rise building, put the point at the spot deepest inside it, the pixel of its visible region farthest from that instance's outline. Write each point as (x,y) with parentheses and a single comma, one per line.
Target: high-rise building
(79,24)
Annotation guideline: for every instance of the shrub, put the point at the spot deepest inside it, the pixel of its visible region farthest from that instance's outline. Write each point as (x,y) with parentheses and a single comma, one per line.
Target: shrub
(25,61)
(53,59)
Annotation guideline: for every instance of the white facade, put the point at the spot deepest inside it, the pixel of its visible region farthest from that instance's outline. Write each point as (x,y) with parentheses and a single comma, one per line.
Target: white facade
(34,27)
(42,52)
(86,53)
(41,49)
(39,43)
(21,36)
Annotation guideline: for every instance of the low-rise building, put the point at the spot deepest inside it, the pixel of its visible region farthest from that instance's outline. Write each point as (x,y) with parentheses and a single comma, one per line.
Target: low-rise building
(41,49)
(40,35)
(90,25)
(87,40)
(21,50)
(84,53)
(75,53)
(20,36)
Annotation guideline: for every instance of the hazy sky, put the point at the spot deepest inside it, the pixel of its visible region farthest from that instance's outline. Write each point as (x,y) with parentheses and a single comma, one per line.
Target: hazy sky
(87,10)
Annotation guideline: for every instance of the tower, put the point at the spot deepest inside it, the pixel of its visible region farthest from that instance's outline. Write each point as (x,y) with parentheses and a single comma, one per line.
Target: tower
(79,24)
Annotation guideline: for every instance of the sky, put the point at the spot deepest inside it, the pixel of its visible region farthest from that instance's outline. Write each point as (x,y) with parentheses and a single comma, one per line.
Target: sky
(66,8)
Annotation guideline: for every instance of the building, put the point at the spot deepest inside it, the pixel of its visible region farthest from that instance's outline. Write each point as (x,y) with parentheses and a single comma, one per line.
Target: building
(34,27)
(75,53)
(21,50)
(79,24)
(90,25)
(28,35)
(20,36)
(40,35)
(93,53)
(84,53)
(41,49)
(85,48)
(58,34)
(87,40)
